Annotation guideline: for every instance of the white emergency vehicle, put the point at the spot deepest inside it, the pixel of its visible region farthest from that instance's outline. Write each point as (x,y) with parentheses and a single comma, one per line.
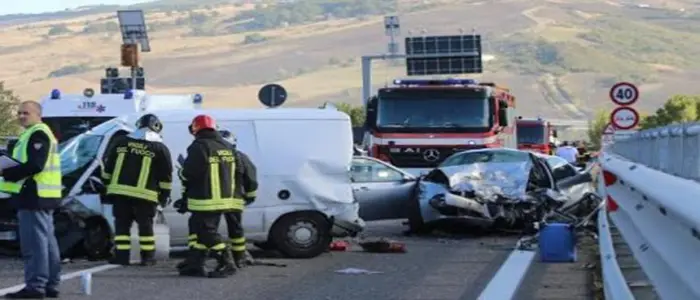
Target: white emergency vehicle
(303,159)
(71,114)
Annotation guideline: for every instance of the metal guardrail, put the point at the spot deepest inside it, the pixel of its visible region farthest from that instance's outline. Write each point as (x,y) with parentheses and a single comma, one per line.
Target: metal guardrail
(653,183)
(614,283)
(673,149)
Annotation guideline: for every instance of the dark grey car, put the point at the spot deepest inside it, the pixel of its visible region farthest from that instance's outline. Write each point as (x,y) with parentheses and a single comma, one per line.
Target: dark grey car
(381,189)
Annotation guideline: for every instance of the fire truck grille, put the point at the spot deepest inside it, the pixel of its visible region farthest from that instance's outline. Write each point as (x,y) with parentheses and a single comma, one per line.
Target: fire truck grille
(423,156)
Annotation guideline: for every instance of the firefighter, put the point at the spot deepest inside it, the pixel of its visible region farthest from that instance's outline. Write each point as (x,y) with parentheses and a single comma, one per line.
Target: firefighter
(207,175)
(234,217)
(246,175)
(139,171)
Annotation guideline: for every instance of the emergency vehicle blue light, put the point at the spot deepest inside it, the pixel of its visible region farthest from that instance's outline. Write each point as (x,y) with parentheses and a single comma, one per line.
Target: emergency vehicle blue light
(55,94)
(197,98)
(450,81)
(129,94)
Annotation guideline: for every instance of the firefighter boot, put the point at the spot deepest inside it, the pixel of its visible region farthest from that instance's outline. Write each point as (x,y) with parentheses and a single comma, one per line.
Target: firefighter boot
(183,263)
(148,258)
(193,265)
(225,267)
(240,258)
(120,257)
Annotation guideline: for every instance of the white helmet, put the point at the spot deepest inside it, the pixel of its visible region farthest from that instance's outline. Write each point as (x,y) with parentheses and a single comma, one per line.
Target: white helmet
(228,136)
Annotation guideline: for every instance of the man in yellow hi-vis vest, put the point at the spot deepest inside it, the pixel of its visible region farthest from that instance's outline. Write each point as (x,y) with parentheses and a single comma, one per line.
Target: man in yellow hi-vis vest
(35,186)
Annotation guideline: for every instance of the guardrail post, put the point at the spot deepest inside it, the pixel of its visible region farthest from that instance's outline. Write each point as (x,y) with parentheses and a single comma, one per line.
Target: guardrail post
(691,156)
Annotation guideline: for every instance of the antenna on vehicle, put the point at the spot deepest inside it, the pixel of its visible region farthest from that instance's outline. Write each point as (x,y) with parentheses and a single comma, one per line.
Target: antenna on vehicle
(134,34)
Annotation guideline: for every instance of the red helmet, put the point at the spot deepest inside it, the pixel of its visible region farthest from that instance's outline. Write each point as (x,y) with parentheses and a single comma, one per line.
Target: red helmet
(202,122)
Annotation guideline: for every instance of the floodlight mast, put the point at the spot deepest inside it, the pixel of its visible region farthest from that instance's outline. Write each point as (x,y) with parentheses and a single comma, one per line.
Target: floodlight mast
(134,32)
(392,29)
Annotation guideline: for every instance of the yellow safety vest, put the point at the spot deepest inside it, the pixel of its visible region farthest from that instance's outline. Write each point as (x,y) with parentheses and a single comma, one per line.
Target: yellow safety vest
(48,181)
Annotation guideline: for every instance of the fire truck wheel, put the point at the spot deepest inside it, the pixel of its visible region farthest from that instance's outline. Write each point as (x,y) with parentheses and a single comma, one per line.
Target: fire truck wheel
(305,234)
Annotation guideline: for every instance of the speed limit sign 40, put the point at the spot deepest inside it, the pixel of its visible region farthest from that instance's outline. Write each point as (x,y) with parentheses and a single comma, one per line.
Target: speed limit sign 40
(624,93)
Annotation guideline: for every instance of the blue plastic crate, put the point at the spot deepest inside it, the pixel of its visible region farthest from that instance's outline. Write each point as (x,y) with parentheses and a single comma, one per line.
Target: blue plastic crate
(557,242)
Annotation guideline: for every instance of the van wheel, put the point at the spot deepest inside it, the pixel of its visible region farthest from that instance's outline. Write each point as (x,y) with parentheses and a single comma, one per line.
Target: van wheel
(301,234)
(97,241)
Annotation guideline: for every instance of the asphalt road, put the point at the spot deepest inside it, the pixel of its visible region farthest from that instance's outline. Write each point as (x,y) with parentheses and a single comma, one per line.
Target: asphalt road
(433,268)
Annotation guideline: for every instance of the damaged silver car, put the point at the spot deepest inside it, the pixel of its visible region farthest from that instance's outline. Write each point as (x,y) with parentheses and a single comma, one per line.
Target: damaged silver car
(489,188)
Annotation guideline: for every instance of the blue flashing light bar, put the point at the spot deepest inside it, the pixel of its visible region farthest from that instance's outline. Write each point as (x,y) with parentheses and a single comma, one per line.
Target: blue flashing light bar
(197,99)
(129,94)
(451,81)
(55,94)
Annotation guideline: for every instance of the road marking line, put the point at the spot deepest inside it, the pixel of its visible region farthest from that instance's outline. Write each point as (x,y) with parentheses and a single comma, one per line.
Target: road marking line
(509,277)
(64,277)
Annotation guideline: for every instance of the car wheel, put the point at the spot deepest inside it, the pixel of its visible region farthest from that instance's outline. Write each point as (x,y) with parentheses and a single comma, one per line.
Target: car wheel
(97,241)
(301,234)
(416,225)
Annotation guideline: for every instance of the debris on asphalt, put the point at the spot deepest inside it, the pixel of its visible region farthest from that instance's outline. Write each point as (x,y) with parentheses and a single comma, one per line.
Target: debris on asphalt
(355,271)
(383,245)
(339,246)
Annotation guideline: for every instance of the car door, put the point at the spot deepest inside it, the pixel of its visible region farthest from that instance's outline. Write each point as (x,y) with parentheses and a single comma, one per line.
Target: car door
(381,190)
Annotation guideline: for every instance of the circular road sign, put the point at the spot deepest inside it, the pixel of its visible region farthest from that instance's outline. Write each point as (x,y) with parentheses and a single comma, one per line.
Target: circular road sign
(624,118)
(624,93)
(272,95)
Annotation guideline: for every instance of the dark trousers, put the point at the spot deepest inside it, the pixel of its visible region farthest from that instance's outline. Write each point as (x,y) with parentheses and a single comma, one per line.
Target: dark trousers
(234,224)
(42,258)
(128,210)
(205,225)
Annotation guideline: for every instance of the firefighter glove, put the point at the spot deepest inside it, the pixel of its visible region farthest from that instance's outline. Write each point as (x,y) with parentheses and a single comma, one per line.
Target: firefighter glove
(249,200)
(181,206)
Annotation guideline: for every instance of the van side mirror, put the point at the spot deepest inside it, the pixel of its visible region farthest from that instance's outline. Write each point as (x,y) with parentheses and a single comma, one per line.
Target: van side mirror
(555,133)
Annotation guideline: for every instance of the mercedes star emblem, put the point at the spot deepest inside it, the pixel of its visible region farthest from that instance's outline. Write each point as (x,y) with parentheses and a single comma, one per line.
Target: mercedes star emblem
(431,155)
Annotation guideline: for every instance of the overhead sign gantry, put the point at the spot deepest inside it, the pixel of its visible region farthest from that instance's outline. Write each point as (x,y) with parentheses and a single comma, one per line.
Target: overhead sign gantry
(426,55)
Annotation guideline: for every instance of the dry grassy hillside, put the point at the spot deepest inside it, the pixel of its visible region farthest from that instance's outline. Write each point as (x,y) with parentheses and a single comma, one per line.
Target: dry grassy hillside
(560,57)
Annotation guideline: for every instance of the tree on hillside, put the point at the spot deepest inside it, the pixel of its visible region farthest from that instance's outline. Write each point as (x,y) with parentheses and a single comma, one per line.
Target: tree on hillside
(8,107)
(596,126)
(58,29)
(356,113)
(677,109)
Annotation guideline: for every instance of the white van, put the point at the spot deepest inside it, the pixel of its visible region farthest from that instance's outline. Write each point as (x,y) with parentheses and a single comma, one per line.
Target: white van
(303,158)
(71,114)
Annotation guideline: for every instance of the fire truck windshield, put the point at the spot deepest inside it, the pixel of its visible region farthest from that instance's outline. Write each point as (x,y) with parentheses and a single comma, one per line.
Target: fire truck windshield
(532,134)
(433,110)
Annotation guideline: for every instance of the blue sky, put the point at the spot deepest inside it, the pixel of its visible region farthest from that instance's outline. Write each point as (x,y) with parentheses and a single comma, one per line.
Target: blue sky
(39,6)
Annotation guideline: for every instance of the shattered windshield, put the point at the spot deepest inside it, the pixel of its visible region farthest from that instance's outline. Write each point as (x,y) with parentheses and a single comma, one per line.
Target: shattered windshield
(532,134)
(79,151)
(433,108)
(65,128)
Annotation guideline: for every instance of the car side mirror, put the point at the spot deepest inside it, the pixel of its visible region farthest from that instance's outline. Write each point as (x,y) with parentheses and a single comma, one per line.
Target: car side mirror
(406,179)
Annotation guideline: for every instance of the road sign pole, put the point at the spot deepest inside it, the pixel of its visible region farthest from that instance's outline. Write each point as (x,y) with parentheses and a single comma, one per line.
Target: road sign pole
(272,97)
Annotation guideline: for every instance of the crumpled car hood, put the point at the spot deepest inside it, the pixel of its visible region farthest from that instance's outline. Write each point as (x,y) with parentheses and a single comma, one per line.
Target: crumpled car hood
(490,181)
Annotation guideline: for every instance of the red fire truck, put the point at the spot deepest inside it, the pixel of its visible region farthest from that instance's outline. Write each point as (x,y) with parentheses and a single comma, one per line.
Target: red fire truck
(535,135)
(419,123)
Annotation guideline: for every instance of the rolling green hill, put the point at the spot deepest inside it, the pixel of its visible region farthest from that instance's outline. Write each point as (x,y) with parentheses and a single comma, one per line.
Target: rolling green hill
(559,57)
